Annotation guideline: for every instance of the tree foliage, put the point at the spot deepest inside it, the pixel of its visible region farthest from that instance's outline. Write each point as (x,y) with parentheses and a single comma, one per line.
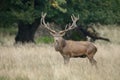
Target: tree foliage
(59,11)
(27,14)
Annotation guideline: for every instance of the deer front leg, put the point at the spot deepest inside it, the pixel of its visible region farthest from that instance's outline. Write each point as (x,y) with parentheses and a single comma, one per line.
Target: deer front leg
(66,59)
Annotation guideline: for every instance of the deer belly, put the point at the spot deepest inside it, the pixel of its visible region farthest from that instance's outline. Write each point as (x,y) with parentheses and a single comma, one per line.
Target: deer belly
(81,56)
(73,54)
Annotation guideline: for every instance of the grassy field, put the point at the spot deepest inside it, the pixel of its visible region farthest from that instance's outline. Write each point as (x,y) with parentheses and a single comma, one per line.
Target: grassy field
(42,62)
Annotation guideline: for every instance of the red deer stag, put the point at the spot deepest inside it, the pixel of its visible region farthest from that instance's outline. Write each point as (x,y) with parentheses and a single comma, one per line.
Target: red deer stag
(69,48)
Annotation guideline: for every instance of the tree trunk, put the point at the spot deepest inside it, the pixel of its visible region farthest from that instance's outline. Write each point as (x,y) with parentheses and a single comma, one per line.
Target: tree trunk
(26,32)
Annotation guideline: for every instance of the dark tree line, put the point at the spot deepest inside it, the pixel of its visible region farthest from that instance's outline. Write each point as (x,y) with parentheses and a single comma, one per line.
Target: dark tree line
(26,13)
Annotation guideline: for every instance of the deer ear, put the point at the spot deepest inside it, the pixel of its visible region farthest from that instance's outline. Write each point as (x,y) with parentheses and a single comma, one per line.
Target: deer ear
(62,33)
(52,33)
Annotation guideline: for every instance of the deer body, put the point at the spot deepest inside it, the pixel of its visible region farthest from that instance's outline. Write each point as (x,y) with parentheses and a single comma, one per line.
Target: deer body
(78,49)
(69,48)
(72,49)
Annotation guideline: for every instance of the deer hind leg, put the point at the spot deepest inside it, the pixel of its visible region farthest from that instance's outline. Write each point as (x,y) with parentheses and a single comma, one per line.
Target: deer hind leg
(93,62)
(91,59)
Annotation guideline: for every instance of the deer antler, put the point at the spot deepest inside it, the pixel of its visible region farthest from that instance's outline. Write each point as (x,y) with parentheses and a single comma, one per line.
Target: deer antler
(71,26)
(43,15)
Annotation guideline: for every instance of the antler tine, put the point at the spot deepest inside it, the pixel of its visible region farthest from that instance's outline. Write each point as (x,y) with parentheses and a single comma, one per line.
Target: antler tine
(43,15)
(66,26)
(73,25)
(74,19)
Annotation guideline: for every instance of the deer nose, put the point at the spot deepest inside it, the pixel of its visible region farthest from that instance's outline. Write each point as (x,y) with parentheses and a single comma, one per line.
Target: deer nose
(56,41)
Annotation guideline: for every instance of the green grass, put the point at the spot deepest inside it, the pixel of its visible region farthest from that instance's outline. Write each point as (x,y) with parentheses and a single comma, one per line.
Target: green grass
(15,78)
(44,39)
(21,78)
(4,78)
(8,30)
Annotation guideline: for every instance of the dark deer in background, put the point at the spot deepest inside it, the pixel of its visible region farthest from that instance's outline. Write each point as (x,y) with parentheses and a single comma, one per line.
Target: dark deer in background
(69,48)
(92,33)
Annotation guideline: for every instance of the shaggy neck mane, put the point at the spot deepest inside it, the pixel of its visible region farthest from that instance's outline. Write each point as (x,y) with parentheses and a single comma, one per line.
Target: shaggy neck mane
(60,44)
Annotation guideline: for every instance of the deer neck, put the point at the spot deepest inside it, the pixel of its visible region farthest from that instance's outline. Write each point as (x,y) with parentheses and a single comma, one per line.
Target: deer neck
(60,44)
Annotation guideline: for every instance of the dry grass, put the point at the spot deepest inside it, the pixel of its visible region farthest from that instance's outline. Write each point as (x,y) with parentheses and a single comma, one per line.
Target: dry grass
(42,62)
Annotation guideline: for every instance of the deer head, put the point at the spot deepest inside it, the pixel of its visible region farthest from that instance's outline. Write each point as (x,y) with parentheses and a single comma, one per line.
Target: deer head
(58,35)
